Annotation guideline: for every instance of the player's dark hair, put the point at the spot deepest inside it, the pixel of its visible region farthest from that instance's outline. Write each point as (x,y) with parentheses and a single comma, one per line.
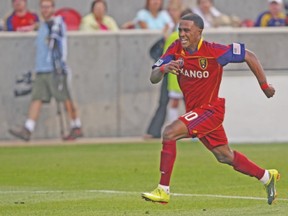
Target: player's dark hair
(185,12)
(98,1)
(198,21)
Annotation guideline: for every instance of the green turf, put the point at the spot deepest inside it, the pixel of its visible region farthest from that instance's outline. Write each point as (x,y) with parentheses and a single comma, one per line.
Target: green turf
(66,180)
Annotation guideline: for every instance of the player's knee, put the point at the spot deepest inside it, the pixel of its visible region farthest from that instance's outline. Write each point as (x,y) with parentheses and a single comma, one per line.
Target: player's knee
(224,158)
(168,133)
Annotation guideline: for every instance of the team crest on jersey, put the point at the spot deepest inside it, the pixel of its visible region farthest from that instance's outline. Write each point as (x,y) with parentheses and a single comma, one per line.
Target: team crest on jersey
(203,63)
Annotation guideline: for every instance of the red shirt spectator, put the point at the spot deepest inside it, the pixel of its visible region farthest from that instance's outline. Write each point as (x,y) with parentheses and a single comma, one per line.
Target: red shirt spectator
(21,19)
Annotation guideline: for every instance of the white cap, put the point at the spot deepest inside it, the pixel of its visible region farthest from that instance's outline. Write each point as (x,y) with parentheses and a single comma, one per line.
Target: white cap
(276,1)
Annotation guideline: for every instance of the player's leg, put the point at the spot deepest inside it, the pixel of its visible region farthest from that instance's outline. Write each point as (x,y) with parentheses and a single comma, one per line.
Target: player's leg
(172,132)
(191,124)
(242,164)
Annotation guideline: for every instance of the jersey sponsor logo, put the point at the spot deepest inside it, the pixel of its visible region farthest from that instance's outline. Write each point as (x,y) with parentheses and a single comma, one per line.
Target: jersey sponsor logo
(203,63)
(195,73)
(159,62)
(236,49)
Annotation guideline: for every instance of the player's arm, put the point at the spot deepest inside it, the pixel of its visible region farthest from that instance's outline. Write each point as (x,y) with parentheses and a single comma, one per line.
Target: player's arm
(257,69)
(158,73)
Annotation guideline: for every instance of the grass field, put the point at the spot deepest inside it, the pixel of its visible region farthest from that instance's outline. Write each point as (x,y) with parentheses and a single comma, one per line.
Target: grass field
(107,179)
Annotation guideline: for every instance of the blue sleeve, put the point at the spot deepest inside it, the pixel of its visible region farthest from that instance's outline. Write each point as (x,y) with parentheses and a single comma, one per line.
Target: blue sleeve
(9,25)
(37,18)
(163,60)
(235,54)
(258,21)
(260,18)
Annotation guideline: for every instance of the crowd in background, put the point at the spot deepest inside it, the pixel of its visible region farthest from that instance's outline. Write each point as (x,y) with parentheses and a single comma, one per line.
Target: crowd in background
(152,16)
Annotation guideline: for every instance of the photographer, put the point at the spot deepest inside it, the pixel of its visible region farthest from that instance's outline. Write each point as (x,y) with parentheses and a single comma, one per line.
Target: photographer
(51,73)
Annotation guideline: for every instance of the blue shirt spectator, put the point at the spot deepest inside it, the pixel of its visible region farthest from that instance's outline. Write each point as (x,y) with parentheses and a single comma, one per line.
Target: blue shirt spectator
(273,17)
(44,61)
(159,22)
(152,17)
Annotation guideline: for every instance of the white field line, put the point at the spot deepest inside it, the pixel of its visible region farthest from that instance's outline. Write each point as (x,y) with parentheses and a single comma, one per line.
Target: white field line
(133,192)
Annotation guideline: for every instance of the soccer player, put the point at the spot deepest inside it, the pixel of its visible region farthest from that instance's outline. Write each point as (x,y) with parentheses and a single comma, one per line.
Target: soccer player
(198,65)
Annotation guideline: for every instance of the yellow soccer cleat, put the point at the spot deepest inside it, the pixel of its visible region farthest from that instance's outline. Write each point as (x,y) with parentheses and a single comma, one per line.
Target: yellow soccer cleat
(157,195)
(270,186)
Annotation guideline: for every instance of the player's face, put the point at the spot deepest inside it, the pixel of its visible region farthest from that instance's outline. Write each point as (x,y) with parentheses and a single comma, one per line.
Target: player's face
(47,9)
(189,34)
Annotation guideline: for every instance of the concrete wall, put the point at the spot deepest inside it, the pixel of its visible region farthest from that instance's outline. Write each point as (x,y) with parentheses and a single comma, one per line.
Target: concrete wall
(128,8)
(115,98)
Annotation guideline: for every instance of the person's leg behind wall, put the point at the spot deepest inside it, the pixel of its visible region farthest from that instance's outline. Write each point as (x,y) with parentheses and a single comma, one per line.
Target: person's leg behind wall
(155,127)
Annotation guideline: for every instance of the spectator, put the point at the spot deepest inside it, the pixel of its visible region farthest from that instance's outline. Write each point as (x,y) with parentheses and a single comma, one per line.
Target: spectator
(152,17)
(97,18)
(175,9)
(51,73)
(275,15)
(21,18)
(212,17)
(169,82)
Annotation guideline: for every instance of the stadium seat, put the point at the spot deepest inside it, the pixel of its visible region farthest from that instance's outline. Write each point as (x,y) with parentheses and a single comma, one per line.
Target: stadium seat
(71,17)
(247,23)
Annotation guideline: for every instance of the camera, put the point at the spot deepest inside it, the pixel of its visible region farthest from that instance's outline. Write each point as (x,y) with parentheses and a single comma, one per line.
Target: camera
(23,84)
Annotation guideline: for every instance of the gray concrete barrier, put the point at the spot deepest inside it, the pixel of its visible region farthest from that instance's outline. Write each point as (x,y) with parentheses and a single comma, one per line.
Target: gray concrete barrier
(111,87)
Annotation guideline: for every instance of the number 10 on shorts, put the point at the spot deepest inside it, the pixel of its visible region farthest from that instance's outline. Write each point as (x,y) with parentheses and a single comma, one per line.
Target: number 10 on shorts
(190,116)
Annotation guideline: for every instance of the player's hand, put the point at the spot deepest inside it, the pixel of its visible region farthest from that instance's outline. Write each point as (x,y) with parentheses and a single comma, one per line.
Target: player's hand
(174,67)
(269,92)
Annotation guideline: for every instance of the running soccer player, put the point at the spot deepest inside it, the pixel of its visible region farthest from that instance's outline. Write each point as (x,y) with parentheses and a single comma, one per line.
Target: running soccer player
(198,65)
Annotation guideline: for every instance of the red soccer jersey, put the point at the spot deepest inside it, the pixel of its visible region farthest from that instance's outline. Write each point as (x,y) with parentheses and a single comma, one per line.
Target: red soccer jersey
(23,23)
(201,74)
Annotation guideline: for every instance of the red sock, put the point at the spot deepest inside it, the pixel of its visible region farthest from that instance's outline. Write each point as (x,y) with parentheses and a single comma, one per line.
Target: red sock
(168,155)
(242,164)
